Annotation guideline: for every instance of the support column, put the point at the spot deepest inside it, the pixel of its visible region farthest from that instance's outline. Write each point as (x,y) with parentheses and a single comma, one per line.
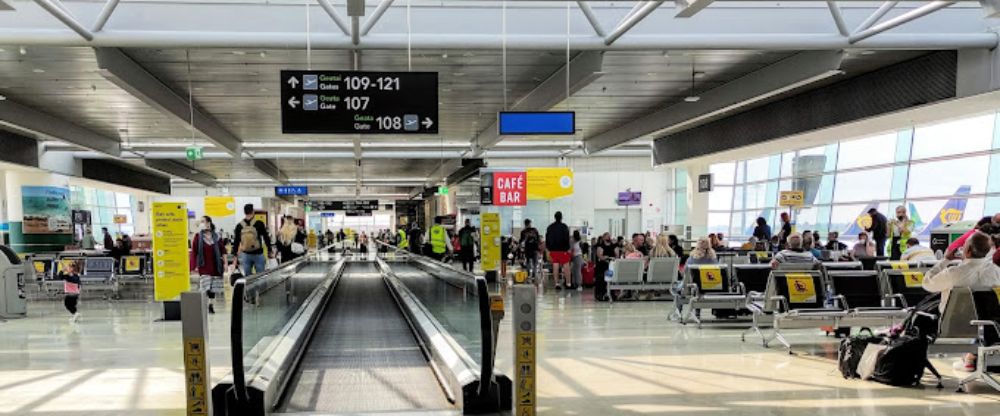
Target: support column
(697,206)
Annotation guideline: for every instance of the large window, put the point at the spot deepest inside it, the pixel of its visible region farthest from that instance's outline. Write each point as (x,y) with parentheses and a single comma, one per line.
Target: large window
(925,168)
(104,206)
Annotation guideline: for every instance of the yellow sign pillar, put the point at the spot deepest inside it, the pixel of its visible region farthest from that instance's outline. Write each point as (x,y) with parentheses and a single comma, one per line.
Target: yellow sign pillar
(525,348)
(171,276)
(490,240)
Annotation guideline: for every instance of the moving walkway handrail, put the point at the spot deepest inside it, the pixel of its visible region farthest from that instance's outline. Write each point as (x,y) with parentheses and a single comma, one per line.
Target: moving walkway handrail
(236,343)
(485,317)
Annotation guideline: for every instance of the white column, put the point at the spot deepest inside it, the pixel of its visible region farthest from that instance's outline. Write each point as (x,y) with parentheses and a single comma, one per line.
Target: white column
(697,202)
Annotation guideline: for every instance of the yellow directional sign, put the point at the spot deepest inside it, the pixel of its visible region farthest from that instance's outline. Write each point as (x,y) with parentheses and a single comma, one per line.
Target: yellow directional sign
(170,250)
(792,198)
(490,240)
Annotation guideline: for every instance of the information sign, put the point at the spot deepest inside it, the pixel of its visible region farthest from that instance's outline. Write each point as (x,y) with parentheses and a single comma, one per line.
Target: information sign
(509,188)
(355,102)
(291,190)
(536,122)
(490,238)
(170,250)
(791,198)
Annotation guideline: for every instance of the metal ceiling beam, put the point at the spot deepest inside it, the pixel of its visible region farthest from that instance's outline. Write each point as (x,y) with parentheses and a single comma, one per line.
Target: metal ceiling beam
(838,18)
(106,12)
(376,15)
(127,74)
(270,169)
(631,21)
(991,8)
(56,10)
(876,15)
(57,127)
(899,20)
(181,170)
(783,76)
(591,17)
(688,8)
(335,16)
(584,68)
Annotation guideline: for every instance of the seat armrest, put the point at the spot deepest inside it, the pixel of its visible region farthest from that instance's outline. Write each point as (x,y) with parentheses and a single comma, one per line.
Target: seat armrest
(899,296)
(840,299)
(692,289)
(782,301)
(741,288)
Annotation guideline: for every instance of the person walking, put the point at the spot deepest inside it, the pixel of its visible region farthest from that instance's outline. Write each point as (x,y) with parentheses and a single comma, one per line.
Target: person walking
(557,242)
(71,288)
(440,244)
(576,267)
(467,246)
(900,230)
(207,249)
(109,242)
(530,246)
(291,240)
(251,239)
(879,229)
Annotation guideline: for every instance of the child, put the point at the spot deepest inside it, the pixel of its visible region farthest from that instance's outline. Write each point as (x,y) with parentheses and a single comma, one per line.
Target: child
(71,286)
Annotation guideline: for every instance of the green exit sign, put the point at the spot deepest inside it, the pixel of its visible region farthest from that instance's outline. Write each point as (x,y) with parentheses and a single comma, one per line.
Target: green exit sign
(442,190)
(194,153)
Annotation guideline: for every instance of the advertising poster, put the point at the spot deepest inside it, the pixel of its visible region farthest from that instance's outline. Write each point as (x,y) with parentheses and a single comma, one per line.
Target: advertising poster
(170,250)
(490,238)
(549,183)
(220,206)
(46,210)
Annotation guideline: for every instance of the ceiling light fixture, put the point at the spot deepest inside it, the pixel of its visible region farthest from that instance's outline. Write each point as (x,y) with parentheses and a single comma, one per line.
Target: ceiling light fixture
(23,51)
(692,98)
(38,71)
(3,98)
(239,53)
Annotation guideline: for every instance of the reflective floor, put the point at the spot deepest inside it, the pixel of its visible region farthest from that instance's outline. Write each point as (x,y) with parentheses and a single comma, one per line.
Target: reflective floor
(594,359)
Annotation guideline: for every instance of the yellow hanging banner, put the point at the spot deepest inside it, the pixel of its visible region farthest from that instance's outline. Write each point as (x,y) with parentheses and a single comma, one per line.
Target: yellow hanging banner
(220,206)
(549,183)
(913,279)
(489,229)
(170,250)
(711,278)
(900,265)
(800,288)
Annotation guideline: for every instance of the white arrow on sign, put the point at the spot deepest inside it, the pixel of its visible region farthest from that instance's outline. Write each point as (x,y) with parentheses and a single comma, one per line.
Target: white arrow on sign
(293,82)
(293,102)
(427,122)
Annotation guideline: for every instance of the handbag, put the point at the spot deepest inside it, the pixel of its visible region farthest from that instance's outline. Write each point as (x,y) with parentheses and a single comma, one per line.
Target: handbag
(298,248)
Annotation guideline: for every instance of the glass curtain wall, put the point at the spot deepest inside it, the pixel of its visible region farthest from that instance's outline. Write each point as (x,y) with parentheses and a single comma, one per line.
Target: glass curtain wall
(949,170)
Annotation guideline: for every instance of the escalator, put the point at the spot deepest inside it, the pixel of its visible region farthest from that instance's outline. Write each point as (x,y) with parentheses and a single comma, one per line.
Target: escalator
(363,356)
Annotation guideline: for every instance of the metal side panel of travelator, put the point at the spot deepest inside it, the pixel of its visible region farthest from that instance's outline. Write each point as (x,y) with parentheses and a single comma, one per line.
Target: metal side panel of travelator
(359,342)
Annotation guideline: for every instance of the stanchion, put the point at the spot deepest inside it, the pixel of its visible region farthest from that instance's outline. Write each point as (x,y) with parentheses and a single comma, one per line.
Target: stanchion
(523,308)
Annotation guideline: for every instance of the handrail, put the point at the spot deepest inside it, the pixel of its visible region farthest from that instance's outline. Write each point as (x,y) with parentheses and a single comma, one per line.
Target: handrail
(236,343)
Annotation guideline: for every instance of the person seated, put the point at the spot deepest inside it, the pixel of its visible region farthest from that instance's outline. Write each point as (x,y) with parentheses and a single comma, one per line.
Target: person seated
(976,271)
(702,253)
(863,248)
(810,246)
(833,243)
(716,243)
(631,252)
(662,247)
(916,252)
(750,244)
(795,253)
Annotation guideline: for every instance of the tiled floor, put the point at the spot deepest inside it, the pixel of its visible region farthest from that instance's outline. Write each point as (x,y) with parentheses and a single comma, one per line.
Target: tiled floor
(594,359)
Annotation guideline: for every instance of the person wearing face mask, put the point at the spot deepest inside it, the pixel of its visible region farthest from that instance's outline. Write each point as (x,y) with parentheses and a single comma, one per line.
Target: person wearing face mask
(900,229)
(864,247)
(207,248)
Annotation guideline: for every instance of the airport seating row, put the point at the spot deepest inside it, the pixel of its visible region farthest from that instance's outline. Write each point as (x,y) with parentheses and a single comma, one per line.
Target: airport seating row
(99,274)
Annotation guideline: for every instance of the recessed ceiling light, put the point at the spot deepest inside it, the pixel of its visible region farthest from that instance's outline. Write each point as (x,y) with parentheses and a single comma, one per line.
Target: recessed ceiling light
(38,70)
(263,54)
(692,99)
(468,54)
(651,73)
(264,90)
(444,56)
(239,53)
(699,74)
(2,50)
(23,51)
(198,88)
(458,74)
(3,98)
(446,90)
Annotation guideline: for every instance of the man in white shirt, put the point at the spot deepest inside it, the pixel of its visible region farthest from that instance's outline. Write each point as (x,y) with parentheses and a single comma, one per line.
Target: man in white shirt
(916,252)
(976,271)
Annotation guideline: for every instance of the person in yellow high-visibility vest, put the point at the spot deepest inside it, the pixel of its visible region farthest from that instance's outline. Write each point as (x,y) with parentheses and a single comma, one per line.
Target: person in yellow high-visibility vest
(403,243)
(440,243)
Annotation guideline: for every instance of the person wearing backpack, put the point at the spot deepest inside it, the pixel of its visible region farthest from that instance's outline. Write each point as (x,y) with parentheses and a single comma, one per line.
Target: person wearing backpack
(251,238)
(467,244)
(530,240)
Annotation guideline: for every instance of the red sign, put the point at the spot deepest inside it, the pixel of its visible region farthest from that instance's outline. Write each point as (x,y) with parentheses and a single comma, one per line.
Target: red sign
(510,188)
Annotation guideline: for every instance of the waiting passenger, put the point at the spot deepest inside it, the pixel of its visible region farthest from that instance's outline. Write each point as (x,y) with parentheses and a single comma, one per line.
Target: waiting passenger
(833,243)
(87,242)
(662,247)
(809,246)
(959,243)
(916,252)
(762,231)
(716,243)
(639,242)
(631,253)
(702,253)
(816,243)
(675,245)
(109,243)
(976,270)
(863,248)
(576,265)
(786,229)
(207,250)
(795,253)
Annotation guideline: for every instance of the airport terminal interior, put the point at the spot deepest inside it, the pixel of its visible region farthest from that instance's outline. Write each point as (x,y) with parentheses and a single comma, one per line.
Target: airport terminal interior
(500,207)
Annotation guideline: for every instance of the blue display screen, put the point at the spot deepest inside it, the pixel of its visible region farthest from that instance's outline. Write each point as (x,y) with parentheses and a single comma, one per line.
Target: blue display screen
(291,190)
(537,123)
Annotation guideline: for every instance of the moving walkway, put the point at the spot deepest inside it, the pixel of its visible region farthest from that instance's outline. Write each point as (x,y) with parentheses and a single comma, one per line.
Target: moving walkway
(357,335)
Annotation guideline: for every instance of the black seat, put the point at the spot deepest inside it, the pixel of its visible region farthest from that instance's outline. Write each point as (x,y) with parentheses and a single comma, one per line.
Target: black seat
(906,286)
(858,288)
(752,277)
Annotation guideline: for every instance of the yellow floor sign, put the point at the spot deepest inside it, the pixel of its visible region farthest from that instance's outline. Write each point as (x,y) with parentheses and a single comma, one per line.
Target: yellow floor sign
(525,396)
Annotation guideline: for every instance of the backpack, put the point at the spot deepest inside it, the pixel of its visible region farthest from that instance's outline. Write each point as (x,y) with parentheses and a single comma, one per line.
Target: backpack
(249,239)
(531,241)
(903,361)
(466,239)
(923,319)
(850,352)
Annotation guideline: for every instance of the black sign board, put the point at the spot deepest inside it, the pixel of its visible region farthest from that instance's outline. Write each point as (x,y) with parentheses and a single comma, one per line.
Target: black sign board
(705,183)
(351,208)
(486,195)
(355,102)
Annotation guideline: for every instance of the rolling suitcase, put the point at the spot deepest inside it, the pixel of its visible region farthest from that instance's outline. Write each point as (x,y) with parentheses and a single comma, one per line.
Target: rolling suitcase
(588,274)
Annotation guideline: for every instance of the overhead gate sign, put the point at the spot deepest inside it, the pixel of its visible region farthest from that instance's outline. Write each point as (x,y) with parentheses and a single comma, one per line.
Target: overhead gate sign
(510,188)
